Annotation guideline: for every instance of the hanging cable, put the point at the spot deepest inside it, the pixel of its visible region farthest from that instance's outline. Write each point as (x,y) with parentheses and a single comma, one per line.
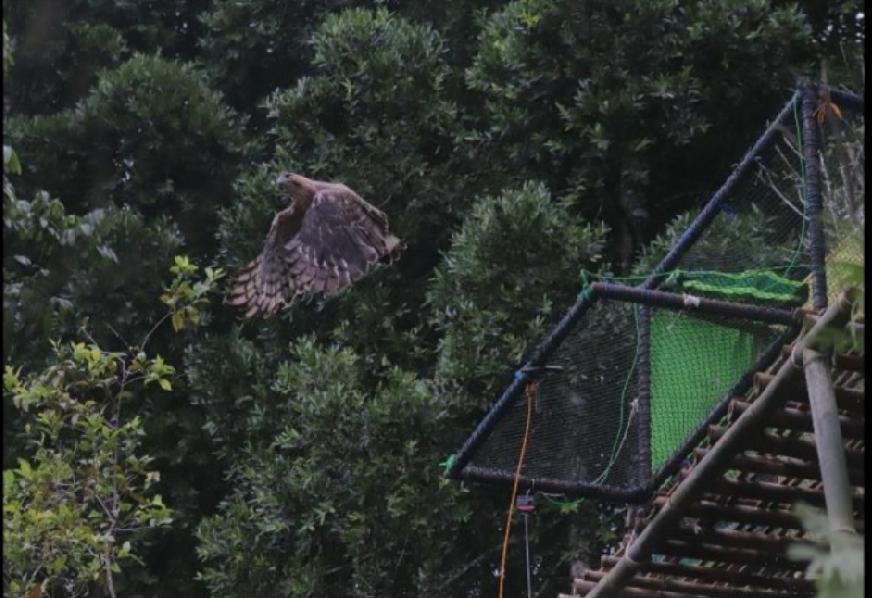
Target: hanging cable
(526,505)
(532,386)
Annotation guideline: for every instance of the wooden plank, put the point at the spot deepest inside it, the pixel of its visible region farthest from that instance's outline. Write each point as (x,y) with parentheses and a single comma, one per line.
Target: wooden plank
(581,587)
(767,442)
(772,492)
(848,399)
(732,538)
(677,586)
(794,419)
(805,470)
(740,556)
(782,518)
(747,576)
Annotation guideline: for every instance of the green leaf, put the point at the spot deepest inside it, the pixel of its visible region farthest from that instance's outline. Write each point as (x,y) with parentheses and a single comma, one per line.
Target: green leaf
(24,469)
(165,384)
(11,165)
(178,320)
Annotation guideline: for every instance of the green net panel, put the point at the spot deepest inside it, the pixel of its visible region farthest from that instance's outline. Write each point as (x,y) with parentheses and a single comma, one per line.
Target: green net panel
(758,286)
(694,363)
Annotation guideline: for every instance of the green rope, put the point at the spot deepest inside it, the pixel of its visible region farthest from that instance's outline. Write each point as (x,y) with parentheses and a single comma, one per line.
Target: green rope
(562,504)
(615,443)
(586,293)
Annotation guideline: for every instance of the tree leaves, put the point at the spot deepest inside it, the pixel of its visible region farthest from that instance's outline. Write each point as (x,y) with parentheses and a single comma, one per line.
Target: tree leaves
(69,507)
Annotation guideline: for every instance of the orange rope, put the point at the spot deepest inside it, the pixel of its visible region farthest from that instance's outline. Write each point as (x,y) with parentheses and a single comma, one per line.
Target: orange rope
(528,393)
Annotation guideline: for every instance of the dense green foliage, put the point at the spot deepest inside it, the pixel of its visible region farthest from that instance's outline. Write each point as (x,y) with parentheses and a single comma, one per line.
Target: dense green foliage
(68,512)
(512,146)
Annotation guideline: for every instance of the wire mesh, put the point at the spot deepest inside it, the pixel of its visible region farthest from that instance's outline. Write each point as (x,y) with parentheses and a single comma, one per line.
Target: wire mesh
(762,223)
(843,168)
(580,430)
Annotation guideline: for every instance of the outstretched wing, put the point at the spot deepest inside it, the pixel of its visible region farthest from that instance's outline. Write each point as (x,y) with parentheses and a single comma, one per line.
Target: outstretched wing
(341,238)
(265,283)
(338,240)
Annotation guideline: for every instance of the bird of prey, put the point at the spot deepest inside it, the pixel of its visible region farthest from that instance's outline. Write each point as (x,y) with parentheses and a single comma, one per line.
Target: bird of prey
(328,238)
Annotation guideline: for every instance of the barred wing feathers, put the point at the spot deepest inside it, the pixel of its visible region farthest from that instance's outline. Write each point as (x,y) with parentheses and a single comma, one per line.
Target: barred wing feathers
(338,240)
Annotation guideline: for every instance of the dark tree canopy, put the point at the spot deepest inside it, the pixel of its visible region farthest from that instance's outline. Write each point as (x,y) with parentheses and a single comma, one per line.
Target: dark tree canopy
(511,144)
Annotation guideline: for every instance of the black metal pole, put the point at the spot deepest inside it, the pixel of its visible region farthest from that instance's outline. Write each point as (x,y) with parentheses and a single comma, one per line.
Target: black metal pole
(848,99)
(522,376)
(817,247)
(694,304)
(644,397)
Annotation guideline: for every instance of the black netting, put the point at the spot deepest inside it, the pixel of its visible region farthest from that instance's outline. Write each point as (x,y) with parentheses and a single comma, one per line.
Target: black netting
(760,225)
(580,410)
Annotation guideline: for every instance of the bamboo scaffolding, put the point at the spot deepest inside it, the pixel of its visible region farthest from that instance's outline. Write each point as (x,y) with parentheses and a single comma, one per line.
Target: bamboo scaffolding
(744,576)
(713,463)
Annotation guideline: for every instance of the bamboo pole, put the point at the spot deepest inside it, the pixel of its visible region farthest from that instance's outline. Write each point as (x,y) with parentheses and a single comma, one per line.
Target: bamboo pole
(828,440)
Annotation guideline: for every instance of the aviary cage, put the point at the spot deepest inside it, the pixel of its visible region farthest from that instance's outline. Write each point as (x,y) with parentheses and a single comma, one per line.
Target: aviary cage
(630,377)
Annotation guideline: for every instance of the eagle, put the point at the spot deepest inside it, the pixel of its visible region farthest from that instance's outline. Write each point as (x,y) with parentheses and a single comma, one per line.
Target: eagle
(328,238)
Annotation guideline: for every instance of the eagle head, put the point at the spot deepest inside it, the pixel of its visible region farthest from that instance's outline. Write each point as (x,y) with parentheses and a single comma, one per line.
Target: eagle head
(298,187)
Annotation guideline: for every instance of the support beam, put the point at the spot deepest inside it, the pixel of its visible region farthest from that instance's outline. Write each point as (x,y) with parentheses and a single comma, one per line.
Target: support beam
(816,244)
(828,439)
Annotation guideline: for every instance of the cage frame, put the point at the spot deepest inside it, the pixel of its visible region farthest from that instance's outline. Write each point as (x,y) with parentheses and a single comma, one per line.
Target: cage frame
(805,97)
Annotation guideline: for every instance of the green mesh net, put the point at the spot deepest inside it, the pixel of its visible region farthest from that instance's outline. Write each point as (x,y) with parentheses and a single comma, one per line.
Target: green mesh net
(759,286)
(694,363)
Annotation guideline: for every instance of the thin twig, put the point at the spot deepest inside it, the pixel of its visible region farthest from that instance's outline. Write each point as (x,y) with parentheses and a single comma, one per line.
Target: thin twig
(472,564)
(153,328)
(770,182)
(118,336)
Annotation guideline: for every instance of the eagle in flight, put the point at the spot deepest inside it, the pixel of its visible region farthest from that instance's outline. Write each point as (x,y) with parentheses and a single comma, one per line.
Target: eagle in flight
(328,238)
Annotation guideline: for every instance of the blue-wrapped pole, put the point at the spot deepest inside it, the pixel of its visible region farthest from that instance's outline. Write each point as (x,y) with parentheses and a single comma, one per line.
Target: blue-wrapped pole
(816,244)
(522,376)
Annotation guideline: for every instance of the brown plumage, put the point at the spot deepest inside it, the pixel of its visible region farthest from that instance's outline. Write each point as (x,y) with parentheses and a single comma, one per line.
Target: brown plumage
(325,240)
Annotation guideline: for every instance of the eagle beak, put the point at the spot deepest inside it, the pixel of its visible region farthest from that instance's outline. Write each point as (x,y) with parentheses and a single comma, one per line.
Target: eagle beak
(282,180)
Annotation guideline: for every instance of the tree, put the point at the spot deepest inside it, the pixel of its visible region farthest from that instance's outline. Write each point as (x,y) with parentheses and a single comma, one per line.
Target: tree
(71,510)
(515,262)
(612,104)
(61,47)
